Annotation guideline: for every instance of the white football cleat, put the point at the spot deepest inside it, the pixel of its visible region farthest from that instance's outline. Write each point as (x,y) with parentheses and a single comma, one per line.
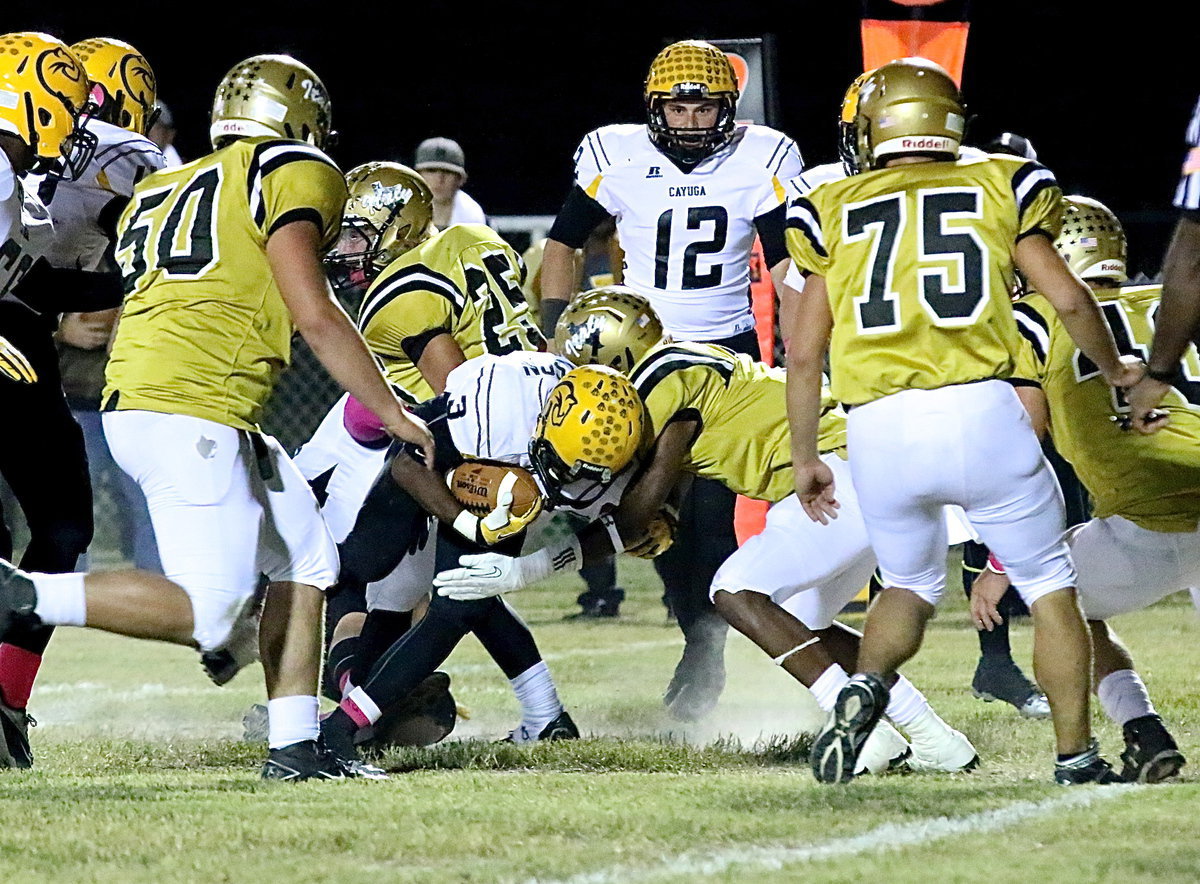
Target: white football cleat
(937,746)
(884,750)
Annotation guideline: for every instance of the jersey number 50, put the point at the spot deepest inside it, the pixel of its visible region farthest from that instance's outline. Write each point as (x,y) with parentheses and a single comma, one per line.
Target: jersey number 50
(180,239)
(950,299)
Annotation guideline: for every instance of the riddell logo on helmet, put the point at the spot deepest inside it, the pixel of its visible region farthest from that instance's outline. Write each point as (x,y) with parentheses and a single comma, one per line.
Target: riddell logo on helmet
(1111,265)
(927,143)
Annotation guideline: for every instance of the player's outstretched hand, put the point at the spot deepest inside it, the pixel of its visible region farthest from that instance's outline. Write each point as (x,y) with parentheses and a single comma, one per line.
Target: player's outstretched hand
(814,487)
(986,592)
(14,365)
(480,576)
(1144,398)
(412,429)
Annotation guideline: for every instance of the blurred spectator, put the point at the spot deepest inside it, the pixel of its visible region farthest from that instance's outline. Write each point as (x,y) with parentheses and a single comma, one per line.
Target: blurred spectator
(162,133)
(440,162)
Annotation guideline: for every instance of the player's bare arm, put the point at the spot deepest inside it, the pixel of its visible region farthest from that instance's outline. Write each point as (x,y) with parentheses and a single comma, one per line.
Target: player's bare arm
(1073,301)
(1176,324)
(558,283)
(812,324)
(294,254)
(440,357)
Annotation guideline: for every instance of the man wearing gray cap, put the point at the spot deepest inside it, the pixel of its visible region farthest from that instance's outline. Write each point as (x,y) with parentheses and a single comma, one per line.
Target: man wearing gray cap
(440,162)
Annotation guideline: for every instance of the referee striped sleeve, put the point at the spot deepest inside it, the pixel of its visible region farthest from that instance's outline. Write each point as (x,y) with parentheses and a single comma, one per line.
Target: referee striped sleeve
(1187,194)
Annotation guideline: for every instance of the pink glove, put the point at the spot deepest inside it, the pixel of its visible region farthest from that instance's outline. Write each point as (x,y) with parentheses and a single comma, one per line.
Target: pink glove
(361,423)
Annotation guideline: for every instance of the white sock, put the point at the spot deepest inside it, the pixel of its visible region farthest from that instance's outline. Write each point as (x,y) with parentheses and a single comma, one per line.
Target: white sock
(1124,696)
(61,599)
(828,685)
(537,695)
(291,720)
(907,704)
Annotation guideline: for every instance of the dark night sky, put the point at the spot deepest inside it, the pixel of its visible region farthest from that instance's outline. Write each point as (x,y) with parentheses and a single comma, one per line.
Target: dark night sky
(1104,99)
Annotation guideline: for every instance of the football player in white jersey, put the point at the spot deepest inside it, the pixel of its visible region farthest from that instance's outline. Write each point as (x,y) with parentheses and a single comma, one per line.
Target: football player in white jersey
(689,189)
(492,407)
(84,211)
(43,88)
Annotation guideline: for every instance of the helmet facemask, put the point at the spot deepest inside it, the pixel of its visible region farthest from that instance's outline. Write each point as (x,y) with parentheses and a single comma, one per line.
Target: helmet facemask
(587,435)
(690,70)
(689,146)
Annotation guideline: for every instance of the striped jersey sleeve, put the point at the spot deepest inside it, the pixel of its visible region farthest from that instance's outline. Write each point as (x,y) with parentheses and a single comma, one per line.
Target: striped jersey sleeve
(1035,331)
(1039,200)
(805,239)
(290,181)
(591,161)
(1187,194)
(121,166)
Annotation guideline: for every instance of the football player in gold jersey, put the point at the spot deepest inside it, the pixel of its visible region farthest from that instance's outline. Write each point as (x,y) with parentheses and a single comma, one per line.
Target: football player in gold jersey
(222,262)
(910,263)
(1144,542)
(715,413)
(434,301)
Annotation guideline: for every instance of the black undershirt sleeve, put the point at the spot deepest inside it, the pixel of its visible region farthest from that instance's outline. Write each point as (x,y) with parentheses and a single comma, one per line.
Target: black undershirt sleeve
(578,217)
(770,229)
(61,290)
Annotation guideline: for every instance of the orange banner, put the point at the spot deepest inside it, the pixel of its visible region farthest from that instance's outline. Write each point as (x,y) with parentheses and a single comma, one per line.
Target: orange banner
(940,41)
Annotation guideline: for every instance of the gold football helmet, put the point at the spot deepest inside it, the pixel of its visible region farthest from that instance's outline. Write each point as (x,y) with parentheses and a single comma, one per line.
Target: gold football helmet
(690,70)
(906,107)
(846,134)
(271,95)
(613,326)
(587,434)
(1092,240)
(44,101)
(124,80)
(389,211)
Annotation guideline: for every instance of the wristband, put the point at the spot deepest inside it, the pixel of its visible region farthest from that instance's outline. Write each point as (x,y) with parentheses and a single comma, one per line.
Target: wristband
(568,556)
(993,564)
(466,523)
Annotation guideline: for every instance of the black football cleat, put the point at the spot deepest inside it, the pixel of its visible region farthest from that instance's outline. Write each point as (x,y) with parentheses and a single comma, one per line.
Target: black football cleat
(1086,767)
(699,677)
(307,760)
(1151,754)
(14,727)
(561,728)
(857,710)
(426,716)
(999,679)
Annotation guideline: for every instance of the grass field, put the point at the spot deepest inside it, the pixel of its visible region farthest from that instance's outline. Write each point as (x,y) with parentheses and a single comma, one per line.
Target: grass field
(141,776)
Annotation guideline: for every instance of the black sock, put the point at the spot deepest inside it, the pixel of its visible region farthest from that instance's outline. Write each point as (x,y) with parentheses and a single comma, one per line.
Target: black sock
(342,659)
(419,652)
(339,720)
(995,643)
(381,630)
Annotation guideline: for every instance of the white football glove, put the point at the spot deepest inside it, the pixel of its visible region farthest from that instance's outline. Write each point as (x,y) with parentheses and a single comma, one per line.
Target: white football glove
(484,575)
(500,523)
